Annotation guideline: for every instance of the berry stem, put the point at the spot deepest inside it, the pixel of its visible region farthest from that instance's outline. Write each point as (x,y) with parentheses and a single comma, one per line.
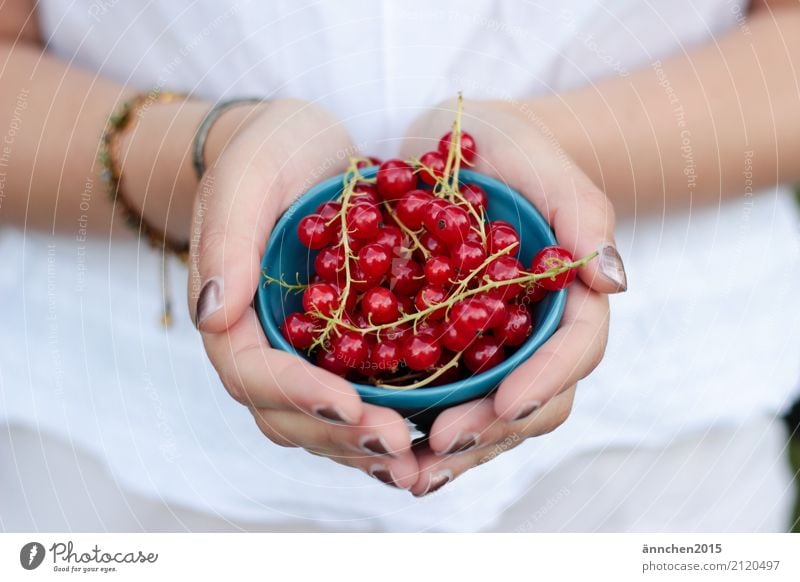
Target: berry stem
(351,178)
(289,286)
(526,279)
(412,235)
(428,379)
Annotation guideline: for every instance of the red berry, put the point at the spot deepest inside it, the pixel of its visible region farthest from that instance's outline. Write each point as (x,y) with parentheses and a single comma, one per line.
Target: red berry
(385,357)
(328,210)
(351,347)
(502,235)
(363,221)
(406,304)
(331,362)
(411,208)
(439,271)
(476,196)
(498,312)
(320,298)
(368,163)
(395,178)
(314,232)
(505,268)
(470,317)
(450,224)
(516,328)
(397,332)
(361,281)
(380,306)
(429,296)
(534,293)
(329,264)
(432,244)
(405,276)
(430,211)
(299,330)
(454,340)
(420,352)
(374,259)
(468,147)
(390,237)
(365,192)
(435,164)
(485,353)
(468,256)
(351,296)
(553,257)
(431,328)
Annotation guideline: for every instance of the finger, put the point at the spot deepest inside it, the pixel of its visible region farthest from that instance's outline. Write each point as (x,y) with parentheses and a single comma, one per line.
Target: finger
(466,426)
(257,375)
(580,214)
(380,445)
(238,202)
(475,424)
(574,350)
(435,471)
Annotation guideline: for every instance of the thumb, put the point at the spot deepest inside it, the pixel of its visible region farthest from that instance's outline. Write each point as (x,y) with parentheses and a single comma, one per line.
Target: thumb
(232,221)
(580,214)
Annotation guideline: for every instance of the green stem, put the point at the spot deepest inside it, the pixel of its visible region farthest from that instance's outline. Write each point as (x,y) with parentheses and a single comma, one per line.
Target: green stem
(298,287)
(427,380)
(425,252)
(523,280)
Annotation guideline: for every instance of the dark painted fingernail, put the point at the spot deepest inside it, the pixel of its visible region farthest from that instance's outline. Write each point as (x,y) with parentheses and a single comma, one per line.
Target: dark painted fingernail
(209,301)
(436,481)
(611,266)
(373,445)
(383,474)
(527,409)
(462,443)
(330,412)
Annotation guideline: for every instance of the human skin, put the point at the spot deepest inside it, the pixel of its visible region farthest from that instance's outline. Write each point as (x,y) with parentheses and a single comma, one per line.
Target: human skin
(620,133)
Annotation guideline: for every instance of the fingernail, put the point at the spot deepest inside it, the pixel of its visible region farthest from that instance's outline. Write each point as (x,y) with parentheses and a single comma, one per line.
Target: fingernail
(209,300)
(611,266)
(462,443)
(436,481)
(330,412)
(374,445)
(527,409)
(383,474)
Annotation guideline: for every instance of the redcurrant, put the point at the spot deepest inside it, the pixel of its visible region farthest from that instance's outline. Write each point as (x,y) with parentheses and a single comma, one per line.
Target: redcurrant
(380,306)
(434,165)
(395,178)
(299,330)
(553,257)
(314,232)
(468,147)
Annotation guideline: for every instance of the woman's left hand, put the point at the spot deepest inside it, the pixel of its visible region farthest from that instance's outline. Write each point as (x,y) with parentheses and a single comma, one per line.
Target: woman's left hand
(537,397)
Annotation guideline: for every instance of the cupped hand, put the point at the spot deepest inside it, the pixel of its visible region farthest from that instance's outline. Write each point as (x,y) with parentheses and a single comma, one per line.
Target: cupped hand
(282,149)
(537,397)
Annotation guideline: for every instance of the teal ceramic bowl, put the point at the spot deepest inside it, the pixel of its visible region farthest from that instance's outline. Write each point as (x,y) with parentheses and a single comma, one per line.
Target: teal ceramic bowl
(285,256)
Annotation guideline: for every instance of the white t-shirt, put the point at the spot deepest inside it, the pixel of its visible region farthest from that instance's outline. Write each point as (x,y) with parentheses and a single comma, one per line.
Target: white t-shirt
(708,334)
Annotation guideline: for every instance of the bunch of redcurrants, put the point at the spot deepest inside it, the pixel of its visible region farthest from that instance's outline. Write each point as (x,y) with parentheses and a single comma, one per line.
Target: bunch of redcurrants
(413,285)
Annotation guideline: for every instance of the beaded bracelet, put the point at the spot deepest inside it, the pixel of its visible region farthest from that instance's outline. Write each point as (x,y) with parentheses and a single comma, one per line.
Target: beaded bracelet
(121,120)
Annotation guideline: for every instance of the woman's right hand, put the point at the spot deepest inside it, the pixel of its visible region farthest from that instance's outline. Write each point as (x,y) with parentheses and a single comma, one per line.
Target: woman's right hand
(284,148)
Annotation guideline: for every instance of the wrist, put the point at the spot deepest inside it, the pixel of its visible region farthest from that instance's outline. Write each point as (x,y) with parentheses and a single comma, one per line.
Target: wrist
(155,165)
(155,159)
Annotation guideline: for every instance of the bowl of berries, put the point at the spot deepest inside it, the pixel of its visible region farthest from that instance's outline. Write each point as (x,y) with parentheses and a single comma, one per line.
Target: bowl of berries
(422,282)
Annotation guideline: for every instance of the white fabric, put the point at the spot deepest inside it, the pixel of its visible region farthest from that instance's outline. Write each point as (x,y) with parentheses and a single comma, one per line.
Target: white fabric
(732,479)
(707,335)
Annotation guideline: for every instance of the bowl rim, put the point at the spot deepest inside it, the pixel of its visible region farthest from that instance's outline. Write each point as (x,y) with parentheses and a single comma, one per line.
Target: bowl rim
(490,378)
